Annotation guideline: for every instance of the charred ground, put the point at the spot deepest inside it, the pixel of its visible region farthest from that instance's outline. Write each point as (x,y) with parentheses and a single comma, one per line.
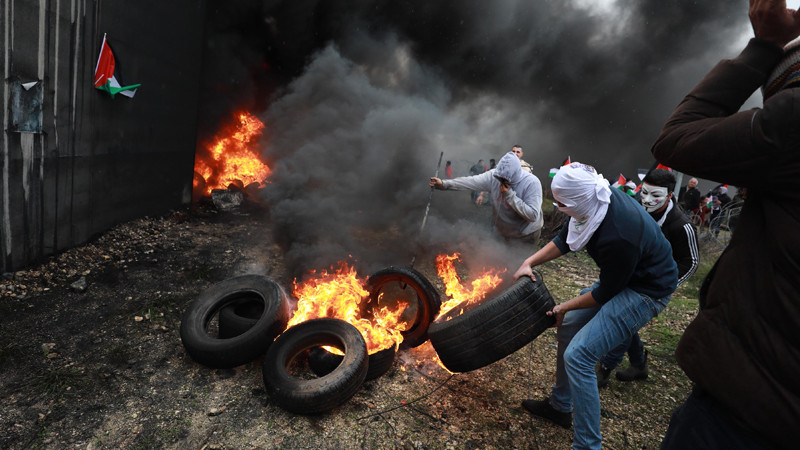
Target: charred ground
(104,367)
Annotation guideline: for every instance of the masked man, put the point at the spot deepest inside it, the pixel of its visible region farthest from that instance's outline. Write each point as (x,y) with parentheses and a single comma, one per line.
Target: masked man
(656,198)
(637,277)
(516,197)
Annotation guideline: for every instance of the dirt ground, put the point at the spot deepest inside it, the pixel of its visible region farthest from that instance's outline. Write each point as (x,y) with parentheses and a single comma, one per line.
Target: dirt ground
(101,364)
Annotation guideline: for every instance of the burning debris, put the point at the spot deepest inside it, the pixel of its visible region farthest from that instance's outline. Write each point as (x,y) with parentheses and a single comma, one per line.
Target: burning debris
(339,294)
(233,161)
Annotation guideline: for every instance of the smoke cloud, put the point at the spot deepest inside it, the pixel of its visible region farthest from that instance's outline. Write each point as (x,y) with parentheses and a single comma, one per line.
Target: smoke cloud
(360,98)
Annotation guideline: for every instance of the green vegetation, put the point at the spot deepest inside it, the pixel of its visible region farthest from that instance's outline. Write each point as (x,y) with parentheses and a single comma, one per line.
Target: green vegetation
(57,381)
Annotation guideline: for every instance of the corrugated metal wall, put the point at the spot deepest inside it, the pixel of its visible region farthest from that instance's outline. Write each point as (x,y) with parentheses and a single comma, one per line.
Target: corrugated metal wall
(75,161)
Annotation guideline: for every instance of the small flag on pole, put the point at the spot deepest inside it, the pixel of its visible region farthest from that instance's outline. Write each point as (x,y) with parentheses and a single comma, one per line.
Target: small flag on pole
(566,162)
(553,172)
(661,166)
(104,78)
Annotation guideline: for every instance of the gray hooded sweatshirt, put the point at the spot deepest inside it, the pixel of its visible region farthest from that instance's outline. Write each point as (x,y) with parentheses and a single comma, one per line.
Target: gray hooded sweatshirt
(516,213)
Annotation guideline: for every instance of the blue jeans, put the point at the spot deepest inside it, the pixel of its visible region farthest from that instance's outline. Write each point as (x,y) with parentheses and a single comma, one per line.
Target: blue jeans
(583,337)
(632,345)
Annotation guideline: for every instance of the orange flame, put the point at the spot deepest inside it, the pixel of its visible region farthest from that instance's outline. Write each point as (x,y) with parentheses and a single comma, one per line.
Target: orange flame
(427,353)
(233,159)
(459,295)
(339,295)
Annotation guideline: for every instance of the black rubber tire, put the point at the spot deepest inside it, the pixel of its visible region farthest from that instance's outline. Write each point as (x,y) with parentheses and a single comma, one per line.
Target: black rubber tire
(323,362)
(237,318)
(494,329)
(428,300)
(241,349)
(322,394)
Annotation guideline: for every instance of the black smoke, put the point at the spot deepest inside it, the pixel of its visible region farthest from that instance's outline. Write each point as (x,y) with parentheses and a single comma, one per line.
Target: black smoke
(360,98)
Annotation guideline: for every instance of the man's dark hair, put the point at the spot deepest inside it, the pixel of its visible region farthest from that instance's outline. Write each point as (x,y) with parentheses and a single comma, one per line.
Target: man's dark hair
(661,177)
(516,145)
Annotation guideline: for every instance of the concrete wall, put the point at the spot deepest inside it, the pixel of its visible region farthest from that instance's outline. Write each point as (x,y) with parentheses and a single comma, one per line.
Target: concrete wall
(74,161)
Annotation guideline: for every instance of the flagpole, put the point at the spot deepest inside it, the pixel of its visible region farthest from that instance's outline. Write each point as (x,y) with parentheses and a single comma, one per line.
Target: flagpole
(99,55)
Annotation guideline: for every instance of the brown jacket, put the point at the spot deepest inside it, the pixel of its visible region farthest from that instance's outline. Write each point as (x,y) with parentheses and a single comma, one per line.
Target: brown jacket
(744,346)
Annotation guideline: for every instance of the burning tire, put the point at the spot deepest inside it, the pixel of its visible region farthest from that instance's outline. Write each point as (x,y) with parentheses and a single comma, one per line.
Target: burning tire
(323,362)
(496,328)
(237,318)
(246,346)
(321,394)
(427,304)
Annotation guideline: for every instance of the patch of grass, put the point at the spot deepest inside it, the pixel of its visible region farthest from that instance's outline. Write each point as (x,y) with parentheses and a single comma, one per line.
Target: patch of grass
(691,287)
(56,381)
(664,331)
(663,339)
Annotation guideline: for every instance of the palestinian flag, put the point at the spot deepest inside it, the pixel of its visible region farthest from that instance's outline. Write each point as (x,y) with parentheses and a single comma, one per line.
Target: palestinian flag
(104,78)
(553,172)
(661,166)
(566,162)
(620,184)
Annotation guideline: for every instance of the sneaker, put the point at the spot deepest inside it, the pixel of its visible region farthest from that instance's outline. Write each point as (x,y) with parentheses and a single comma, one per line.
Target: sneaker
(603,374)
(543,409)
(634,372)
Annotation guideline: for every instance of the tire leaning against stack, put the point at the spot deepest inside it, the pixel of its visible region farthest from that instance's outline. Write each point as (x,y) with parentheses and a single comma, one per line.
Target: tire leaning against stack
(428,300)
(322,394)
(494,329)
(224,353)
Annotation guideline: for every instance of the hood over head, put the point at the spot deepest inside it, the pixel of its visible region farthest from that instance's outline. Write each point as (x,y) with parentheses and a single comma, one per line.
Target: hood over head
(509,168)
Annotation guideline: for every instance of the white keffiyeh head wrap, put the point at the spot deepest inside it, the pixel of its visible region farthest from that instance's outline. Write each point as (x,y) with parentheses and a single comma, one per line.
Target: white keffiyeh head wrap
(586,196)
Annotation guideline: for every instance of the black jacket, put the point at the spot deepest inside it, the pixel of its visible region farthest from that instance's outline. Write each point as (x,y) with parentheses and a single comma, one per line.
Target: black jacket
(743,348)
(682,236)
(689,198)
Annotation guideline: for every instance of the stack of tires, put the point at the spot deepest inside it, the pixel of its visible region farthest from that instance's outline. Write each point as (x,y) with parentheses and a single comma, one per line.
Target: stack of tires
(252,312)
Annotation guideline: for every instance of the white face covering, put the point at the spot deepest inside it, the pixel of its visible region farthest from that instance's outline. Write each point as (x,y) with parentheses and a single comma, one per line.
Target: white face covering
(653,198)
(585,195)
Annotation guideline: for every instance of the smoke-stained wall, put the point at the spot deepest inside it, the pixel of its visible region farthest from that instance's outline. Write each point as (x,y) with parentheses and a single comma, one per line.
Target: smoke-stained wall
(75,161)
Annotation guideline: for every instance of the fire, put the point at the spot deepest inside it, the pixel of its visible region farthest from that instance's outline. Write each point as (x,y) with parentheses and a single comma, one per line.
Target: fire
(458,294)
(338,295)
(233,158)
(425,353)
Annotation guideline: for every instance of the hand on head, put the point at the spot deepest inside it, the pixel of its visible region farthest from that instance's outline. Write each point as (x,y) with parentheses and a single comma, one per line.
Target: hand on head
(772,21)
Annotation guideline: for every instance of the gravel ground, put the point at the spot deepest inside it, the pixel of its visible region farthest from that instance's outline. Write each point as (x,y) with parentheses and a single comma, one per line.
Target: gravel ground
(91,357)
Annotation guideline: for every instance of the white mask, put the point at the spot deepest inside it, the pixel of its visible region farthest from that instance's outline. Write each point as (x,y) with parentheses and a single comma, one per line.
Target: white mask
(653,198)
